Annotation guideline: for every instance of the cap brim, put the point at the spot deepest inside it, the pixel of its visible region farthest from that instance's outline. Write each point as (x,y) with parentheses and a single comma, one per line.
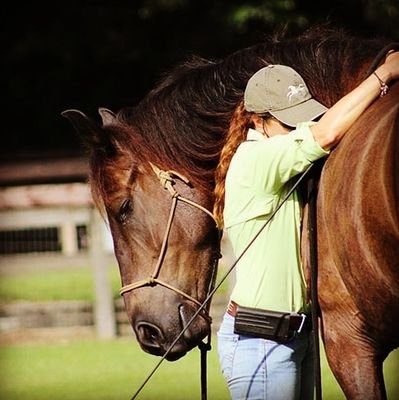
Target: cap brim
(306,111)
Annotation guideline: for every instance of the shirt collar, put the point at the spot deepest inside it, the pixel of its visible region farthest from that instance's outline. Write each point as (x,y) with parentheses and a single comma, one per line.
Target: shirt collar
(255,135)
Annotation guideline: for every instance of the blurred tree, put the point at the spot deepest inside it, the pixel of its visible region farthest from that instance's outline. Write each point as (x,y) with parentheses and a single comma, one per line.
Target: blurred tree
(95,53)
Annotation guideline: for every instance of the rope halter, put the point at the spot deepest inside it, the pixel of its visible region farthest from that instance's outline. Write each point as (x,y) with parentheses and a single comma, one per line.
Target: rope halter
(168,181)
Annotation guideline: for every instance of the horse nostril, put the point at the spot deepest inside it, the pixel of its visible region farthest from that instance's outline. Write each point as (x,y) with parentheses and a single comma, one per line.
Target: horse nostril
(149,335)
(153,341)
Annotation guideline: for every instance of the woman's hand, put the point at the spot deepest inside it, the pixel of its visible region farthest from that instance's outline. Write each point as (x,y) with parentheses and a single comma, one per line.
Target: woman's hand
(390,66)
(332,126)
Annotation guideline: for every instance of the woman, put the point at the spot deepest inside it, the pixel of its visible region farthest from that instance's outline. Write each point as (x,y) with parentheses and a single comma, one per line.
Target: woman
(264,342)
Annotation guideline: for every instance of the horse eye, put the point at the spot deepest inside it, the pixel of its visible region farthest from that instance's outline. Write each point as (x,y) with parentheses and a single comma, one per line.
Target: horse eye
(124,210)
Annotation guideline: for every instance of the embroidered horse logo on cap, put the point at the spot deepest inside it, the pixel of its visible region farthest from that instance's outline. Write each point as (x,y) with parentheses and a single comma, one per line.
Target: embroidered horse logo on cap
(296,92)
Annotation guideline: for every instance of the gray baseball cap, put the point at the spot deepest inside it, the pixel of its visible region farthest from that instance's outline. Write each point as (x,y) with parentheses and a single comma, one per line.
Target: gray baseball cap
(281,91)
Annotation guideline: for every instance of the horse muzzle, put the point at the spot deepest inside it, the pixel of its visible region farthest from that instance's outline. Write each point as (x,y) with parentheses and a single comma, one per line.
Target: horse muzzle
(173,336)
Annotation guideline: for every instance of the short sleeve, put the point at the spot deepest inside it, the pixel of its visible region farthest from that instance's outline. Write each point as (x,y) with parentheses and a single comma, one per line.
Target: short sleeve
(259,170)
(277,160)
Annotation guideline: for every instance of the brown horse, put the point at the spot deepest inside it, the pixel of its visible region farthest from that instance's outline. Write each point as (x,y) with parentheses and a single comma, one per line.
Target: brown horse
(167,248)
(358,241)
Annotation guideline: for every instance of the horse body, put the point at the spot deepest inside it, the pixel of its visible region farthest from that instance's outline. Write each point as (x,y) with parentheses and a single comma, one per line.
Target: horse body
(358,239)
(181,125)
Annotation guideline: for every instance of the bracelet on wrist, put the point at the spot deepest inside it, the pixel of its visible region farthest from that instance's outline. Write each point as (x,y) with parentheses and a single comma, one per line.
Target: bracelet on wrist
(384,88)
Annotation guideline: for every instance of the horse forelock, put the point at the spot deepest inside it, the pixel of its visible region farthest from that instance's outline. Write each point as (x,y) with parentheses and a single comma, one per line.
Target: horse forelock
(181,123)
(112,168)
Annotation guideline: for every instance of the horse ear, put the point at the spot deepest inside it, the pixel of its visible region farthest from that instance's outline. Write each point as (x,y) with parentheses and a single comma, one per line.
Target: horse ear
(89,131)
(107,116)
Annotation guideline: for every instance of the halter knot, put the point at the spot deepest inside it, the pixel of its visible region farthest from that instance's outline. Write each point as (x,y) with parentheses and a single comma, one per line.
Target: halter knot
(152,281)
(165,178)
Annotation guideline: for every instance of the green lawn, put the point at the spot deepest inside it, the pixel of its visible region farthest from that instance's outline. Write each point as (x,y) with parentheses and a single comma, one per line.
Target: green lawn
(60,284)
(99,370)
(57,284)
(111,369)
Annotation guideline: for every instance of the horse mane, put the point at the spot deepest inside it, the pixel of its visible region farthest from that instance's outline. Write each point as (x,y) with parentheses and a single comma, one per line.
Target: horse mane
(181,123)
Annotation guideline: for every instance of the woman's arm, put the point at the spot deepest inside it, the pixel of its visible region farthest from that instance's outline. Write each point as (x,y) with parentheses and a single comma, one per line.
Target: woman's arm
(332,126)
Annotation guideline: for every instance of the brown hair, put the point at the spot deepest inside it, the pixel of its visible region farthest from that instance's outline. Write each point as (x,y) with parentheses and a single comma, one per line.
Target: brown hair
(236,134)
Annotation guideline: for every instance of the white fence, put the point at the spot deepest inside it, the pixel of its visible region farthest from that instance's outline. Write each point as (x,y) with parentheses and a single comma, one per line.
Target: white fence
(76,229)
(31,213)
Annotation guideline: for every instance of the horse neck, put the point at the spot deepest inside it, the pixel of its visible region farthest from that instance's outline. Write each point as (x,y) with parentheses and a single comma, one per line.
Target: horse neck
(368,158)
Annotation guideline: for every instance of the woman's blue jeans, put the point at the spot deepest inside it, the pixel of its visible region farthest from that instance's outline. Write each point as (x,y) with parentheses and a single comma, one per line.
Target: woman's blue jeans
(259,369)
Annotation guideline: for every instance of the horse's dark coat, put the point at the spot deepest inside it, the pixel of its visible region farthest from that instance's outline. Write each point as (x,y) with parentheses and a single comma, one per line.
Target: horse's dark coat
(358,237)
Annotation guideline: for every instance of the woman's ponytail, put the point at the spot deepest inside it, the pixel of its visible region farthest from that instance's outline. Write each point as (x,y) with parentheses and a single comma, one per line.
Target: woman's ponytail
(237,133)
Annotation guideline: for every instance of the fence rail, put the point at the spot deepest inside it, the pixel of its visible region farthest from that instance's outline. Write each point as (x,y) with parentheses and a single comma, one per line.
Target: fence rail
(75,313)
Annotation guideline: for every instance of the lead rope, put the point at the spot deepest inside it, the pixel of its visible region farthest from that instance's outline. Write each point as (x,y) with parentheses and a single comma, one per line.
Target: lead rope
(312,228)
(204,348)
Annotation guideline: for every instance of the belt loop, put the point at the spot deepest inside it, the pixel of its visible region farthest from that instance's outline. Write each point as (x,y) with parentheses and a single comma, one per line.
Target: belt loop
(232,308)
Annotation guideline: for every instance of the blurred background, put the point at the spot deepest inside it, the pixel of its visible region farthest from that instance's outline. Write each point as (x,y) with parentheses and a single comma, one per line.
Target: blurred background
(58,277)
(86,54)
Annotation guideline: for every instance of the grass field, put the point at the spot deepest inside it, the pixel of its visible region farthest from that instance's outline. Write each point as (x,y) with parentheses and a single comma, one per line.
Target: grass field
(48,285)
(100,370)
(94,369)
(60,284)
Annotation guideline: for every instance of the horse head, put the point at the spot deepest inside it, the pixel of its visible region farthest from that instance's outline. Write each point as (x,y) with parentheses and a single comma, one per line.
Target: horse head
(165,241)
